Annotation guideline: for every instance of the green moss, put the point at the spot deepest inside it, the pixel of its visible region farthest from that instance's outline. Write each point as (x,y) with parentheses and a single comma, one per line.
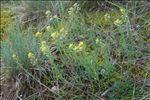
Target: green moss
(5,21)
(100,19)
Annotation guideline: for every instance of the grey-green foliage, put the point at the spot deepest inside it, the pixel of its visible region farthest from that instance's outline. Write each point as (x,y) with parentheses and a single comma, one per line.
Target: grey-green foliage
(20,44)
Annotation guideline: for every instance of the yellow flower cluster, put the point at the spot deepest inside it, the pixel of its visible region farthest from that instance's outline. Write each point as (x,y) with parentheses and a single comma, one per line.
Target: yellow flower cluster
(122,10)
(43,47)
(71,46)
(38,34)
(97,40)
(62,30)
(54,35)
(31,56)
(74,10)
(47,13)
(118,22)
(14,56)
(48,28)
(80,46)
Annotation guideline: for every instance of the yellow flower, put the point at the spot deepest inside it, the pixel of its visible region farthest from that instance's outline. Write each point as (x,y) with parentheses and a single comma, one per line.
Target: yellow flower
(47,13)
(71,46)
(81,44)
(55,16)
(54,35)
(43,47)
(118,22)
(62,30)
(14,56)
(38,34)
(77,48)
(97,40)
(48,28)
(122,10)
(31,55)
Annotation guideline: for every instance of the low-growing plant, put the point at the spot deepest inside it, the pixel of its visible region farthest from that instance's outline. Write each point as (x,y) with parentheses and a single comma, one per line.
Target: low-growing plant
(74,59)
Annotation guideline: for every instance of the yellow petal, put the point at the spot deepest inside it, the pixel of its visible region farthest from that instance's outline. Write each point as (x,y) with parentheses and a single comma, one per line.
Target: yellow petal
(97,40)
(38,34)
(71,46)
(47,12)
(62,30)
(81,44)
(48,28)
(53,35)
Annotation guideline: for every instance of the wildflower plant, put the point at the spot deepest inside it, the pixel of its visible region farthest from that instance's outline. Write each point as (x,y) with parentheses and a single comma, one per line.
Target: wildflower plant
(43,47)
(74,10)
(75,55)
